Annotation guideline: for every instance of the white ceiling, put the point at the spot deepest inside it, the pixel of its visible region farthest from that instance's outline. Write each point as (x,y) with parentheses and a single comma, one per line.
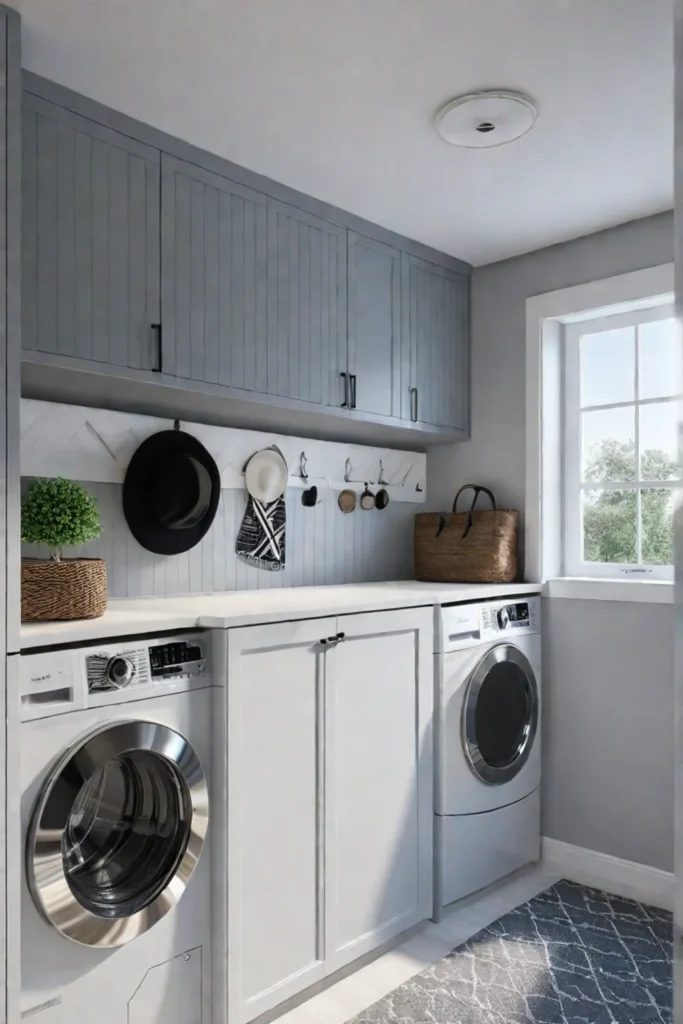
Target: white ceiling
(335,97)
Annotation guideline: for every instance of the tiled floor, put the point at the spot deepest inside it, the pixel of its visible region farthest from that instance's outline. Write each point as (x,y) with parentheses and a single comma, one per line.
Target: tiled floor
(347,998)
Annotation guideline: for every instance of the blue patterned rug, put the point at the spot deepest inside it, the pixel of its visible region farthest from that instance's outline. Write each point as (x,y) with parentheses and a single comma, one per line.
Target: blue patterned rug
(571,955)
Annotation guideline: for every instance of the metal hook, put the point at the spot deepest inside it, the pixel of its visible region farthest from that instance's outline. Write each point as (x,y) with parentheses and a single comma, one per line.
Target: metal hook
(347,471)
(302,466)
(380,479)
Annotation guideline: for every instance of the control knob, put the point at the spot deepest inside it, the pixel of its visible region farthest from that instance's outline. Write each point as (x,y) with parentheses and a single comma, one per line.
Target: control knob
(119,672)
(503,618)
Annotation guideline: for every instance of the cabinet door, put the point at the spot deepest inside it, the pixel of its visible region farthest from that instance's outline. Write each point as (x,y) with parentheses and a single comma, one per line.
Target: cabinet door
(436,344)
(276,680)
(374,325)
(90,258)
(379,802)
(214,278)
(307,305)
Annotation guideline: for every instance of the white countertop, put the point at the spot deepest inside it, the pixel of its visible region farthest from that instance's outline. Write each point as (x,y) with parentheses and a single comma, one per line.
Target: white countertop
(252,607)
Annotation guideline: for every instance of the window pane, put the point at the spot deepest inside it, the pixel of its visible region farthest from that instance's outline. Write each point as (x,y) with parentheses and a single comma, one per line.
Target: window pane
(608,444)
(659,441)
(608,367)
(658,359)
(609,526)
(657,515)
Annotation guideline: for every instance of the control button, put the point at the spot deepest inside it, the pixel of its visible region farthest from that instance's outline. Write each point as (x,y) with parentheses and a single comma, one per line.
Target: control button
(120,672)
(503,618)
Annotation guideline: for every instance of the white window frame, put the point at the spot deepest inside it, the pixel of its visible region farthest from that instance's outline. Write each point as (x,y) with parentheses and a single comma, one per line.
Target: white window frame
(543,511)
(573,486)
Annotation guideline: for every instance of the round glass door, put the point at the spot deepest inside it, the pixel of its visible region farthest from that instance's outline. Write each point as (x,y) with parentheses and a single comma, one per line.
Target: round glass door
(116,833)
(500,715)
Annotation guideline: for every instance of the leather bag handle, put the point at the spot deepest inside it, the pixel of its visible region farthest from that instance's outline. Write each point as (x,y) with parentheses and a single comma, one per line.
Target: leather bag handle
(477,491)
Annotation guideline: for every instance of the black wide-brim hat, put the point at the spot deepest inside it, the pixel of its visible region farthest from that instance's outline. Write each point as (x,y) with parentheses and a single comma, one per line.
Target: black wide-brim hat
(171,492)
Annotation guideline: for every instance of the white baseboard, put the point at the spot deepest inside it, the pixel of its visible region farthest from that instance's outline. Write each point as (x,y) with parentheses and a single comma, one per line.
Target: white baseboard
(614,875)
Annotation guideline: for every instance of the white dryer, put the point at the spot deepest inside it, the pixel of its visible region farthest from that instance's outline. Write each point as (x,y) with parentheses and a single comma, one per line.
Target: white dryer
(116,896)
(487,744)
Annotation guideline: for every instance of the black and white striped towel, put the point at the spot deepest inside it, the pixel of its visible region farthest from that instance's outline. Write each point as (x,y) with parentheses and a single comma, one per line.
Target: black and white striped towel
(261,540)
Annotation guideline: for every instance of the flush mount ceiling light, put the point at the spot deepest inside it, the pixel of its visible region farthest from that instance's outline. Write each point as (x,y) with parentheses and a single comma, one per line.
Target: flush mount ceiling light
(481,120)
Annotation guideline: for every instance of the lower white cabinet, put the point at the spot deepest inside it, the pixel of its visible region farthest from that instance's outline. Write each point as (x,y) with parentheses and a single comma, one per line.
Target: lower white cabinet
(329,821)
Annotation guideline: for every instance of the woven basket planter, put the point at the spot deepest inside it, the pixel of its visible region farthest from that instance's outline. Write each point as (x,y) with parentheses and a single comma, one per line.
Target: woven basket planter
(75,588)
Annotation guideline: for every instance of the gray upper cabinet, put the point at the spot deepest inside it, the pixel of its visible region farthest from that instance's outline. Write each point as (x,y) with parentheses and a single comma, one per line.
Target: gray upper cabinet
(90,259)
(141,253)
(435,314)
(214,250)
(374,329)
(306,306)
(253,290)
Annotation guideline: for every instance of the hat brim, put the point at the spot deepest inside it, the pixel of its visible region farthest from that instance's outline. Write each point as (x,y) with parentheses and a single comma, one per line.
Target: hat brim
(265,475)
(139,507)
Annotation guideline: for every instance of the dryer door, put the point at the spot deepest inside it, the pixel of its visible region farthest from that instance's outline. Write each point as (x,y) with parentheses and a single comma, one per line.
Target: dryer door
(500,714)
(116,832)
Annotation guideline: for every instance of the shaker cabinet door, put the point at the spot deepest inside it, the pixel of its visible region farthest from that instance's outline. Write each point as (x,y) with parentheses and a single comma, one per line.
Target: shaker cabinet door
(90,256)
(276,861)
(306,306)
(374,326)
(214,278)
(436,346)
(379,783)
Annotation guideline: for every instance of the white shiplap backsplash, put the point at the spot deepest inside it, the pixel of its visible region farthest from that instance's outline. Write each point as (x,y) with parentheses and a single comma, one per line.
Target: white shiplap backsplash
(324,546)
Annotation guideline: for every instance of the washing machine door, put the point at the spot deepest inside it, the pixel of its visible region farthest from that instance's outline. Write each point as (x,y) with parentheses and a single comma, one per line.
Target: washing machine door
(500,715)
(116,832)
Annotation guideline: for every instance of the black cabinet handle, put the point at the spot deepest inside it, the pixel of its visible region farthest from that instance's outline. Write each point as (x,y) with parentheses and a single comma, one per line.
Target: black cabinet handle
(332,641)
(413,404)
(159,368)
(352,378)
(345,378)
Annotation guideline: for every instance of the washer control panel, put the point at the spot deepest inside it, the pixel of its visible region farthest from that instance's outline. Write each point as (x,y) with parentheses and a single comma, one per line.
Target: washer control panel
(465,625)
(516,616)
(181,658)
(58,681)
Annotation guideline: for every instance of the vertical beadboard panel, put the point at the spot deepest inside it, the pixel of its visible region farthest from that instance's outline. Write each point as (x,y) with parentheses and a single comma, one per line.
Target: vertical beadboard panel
(307,305)
(29,256)
(90,238)
(323,547)
(215,298)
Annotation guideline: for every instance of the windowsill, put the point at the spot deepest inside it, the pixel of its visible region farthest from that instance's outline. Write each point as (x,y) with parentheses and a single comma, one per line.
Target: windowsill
(586,588)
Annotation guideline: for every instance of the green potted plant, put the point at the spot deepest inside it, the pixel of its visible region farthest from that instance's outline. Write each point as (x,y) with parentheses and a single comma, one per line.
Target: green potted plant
(59,514)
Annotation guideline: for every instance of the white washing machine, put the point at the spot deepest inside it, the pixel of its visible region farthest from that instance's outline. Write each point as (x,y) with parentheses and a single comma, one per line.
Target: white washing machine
(487,744)
(116,896)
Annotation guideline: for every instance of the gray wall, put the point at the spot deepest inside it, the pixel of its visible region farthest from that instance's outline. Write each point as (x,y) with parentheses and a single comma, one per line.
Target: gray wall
(495,455)
(608,679)
(323,546)
(608,728)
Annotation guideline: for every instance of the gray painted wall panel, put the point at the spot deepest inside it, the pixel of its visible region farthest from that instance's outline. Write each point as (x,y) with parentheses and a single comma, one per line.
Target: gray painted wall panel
(608,740)
(323,547)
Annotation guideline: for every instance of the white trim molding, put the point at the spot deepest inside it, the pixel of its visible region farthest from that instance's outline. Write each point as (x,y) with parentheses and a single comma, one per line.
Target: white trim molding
(96,445)
(590,588)
(545,315)
(612,874)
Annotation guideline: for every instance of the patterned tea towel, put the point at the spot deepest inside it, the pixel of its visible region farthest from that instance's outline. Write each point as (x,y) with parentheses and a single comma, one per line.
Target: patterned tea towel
(261,539)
